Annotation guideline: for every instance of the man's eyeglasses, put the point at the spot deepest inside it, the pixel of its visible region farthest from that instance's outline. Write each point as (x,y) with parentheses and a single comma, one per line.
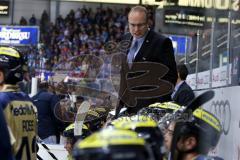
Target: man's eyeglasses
(140,25)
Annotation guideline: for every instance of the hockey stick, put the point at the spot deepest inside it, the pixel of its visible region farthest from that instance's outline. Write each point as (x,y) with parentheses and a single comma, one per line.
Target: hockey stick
(79,119)
(200,100)
(48,151)
(194,104)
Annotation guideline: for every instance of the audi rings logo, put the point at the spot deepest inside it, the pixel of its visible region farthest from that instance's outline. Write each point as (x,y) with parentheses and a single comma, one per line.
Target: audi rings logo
(222,110)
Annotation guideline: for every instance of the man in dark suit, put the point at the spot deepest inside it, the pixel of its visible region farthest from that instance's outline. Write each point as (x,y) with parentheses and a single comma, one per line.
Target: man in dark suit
(183,93)
(151,50)
(49,127)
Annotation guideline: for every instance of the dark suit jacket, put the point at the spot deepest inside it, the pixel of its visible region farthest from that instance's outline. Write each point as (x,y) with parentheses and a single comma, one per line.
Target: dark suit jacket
(155,48)
(48,124)
(184,95)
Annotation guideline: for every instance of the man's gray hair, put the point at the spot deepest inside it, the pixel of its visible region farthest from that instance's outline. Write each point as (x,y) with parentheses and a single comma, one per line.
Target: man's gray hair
(139,9)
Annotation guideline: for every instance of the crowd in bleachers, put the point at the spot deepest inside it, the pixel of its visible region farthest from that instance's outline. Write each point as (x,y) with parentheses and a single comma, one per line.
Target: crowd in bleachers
(82,32)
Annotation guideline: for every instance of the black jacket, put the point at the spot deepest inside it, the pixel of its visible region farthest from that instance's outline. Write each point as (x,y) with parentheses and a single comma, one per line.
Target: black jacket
(184,95)
(47,123)
(155,48)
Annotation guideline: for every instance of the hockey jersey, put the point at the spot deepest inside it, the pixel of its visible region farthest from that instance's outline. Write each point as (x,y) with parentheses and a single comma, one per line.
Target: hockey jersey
(21,118)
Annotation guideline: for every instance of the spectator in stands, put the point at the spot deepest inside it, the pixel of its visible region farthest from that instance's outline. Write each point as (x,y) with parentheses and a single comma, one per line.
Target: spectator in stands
(183,93)
(49,127)
(33,20)
(44,21)
(23,21)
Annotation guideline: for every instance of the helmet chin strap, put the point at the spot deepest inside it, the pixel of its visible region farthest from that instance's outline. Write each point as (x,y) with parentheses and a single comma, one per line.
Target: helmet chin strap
(13,73)
(14,69)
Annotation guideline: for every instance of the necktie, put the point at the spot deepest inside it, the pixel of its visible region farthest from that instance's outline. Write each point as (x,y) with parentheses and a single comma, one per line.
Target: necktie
(173,93)
(133,49)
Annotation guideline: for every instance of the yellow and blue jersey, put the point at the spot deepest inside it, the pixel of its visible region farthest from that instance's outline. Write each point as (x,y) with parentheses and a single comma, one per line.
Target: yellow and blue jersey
(21,118)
